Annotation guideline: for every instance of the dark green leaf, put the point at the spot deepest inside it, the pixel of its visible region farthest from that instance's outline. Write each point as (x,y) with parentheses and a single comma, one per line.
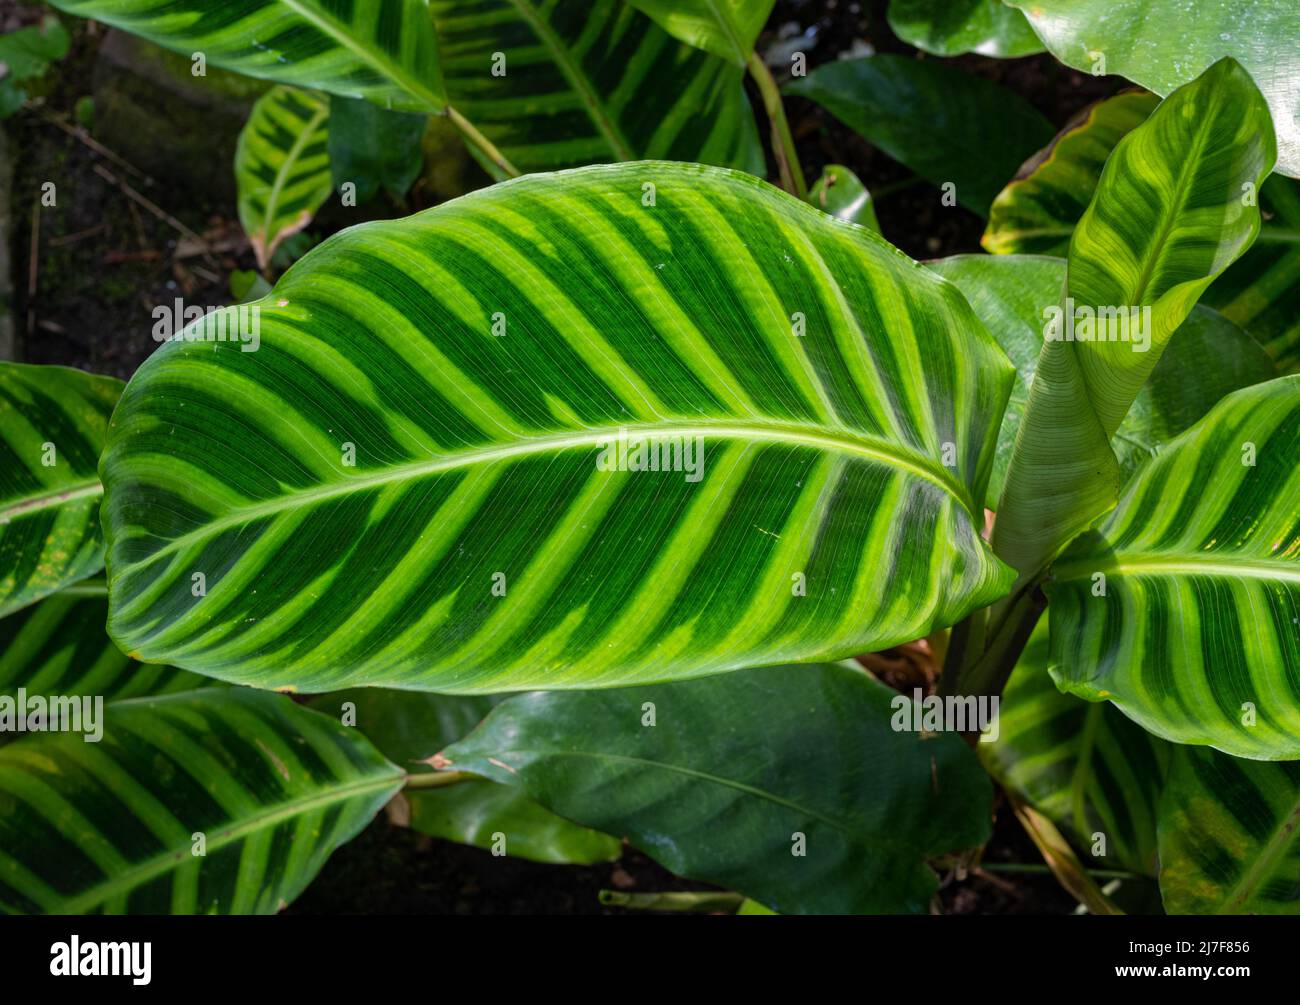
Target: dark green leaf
(839,193)
(975,134)
(738,774)
(951,27)
(373,148)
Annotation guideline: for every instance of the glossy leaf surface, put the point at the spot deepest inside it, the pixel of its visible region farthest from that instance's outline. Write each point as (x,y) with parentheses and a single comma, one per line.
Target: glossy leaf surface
(442,478)
(726,28)
(575,82)
(384,51)
(1162,44)
(883,97)
(409,728)
(1192,628)
(788,784)
(53,422)
(951,27)
(839,193)
(111,827)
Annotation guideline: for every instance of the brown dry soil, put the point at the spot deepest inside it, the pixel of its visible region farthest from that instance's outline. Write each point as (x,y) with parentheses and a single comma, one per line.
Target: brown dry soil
(102,261)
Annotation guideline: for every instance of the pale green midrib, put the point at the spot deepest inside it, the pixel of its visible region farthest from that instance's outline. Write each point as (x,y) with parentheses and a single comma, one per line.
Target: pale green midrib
(381,63)
(50,500)
(290,159)
(1144,563)
(1273,849)
(131,878)
(847,829)
(577,80)
(868,448)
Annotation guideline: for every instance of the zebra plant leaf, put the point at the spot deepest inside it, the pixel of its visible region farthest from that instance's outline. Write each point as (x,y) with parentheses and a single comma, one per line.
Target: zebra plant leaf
(1086,766)
(1208,356)
(385,52)
(1037,212)
(789,784)
(1162,44)
(726,28)
(53,421)
(60,647)
(409,728)
(1228,837)
(1183,609)
(883,97)
(282,167)
(454,446)
(270,788)
(576,82)
(1168,217)
(952,27)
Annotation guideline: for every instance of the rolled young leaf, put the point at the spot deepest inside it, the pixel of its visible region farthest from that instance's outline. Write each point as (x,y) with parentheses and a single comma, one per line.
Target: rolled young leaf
(883,97)
(282,167)
(220,801)
(61,647)
(53,421)
(409,728)
(1183,608)
(951,27)
(1091,770)
(1208,356)
(626,423)
(1228,837)
(385,52)
(788,784)
(726,28)
(1162,44)
(577,82)
(1037,212)
(1169,215)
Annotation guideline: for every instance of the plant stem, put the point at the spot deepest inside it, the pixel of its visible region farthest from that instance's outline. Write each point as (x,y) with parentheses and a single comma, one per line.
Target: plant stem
(1032,868)
(705,900)
(985,670)
(484,145)
(438,779)
(787,157)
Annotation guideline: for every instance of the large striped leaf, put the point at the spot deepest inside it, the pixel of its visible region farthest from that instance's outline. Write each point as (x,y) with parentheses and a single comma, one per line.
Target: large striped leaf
(1086,766)
(113,826)
(886,97)
(59,646)
(1037,212)
(1229,843)
(409,728)
(282,167)
(788,784)
(382,50)
(1262,291)
(1167,218)
(726,28)
(570,82)
(951,27)
(417,501)
(1162,44)
(53,422)
(1193,629)
(1208,356)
